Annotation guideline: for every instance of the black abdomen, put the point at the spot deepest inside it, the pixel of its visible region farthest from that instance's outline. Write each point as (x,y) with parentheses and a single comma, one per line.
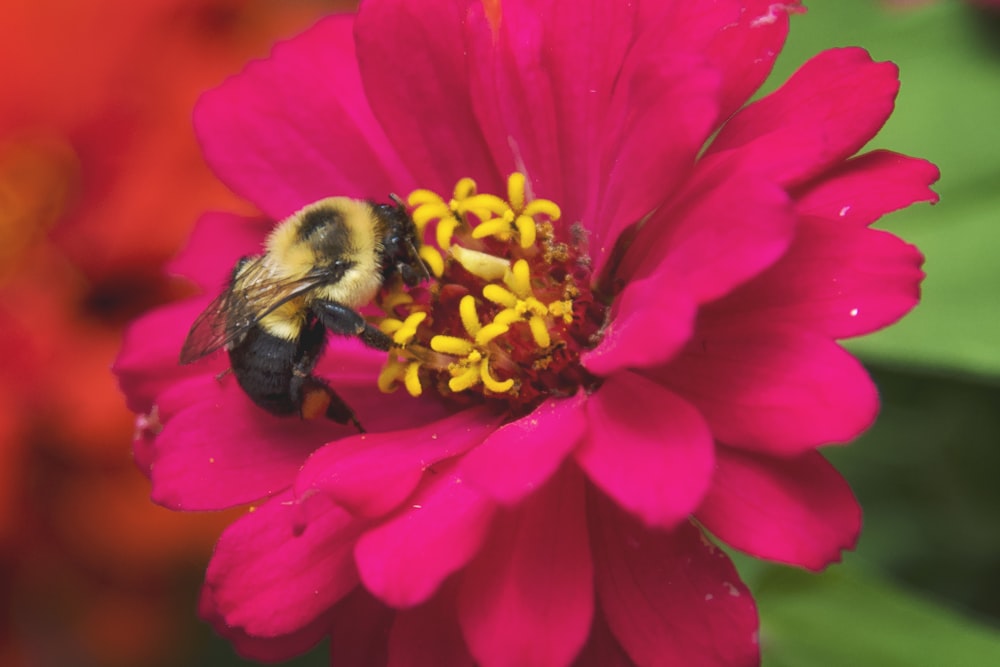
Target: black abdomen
(266,366)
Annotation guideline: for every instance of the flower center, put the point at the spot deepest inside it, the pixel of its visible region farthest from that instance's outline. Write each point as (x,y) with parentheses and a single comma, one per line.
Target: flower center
(510,309)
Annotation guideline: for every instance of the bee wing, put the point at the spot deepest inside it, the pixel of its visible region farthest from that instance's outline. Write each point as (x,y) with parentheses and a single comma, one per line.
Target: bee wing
(254,293)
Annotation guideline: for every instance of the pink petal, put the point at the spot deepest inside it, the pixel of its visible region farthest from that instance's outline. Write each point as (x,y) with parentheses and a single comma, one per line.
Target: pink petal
(297,127)
(403,560)
(826,112)
(520,456)
(602,649)
(745,49)
(264,649)
(149,361)
(837,279)
(648,326)
(358,628)
(671,598)
(723,228)
(867,187)
(527,599)
(775,390)
(424,75)
(372,473)
(218,241)
(647,448)
(218,450)
(269,577)
(429,635)
(798,511)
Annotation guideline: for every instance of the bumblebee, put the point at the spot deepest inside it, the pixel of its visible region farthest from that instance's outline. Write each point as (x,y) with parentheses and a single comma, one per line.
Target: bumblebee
(318,267)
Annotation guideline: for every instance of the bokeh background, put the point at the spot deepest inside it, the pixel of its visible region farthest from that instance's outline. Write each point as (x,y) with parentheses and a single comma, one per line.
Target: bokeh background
(101,180)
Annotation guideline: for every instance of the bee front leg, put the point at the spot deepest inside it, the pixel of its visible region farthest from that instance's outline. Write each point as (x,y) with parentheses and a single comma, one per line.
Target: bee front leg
(341,320)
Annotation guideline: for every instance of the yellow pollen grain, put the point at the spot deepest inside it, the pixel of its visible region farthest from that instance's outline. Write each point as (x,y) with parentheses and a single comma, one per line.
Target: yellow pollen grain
(467,312)
(411,379)
(486,266)
(432,259)
(492,383)
(489,332)
(458,347)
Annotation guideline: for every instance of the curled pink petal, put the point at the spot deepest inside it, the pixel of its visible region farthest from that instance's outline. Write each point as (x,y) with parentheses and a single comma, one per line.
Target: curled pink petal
(825,113)
(521,455)
(372,473)
(867,187)
(798,511)
(439,530)
(774,390)
(647,448)
(270,576)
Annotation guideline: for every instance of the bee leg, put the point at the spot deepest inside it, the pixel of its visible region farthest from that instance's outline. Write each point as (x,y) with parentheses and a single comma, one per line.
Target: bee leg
(343,321)
(315,398)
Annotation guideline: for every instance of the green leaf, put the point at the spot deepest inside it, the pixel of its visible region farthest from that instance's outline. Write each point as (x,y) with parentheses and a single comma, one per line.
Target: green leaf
(947,111)
(844,618)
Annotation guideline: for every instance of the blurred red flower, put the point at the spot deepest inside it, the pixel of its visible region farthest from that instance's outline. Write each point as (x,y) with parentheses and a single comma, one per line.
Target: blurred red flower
(100,180)
(639,342)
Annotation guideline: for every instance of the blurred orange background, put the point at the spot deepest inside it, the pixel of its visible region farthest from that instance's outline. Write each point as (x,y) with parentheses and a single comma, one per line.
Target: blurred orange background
(101,180)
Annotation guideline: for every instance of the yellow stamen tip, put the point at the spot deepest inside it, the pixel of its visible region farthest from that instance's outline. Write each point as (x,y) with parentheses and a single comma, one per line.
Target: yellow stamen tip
(492,383)
(444,231)
(543,207)
(519,279)
(469,316)
(411,379)
(495,227)
(489,332)
(408,329)
(464,189)
(458,347)
(422,196)
(499,296)
(515,190)
(540,332)
(466,379)
(388,375)
(527,230)
(432,259)
(507,317)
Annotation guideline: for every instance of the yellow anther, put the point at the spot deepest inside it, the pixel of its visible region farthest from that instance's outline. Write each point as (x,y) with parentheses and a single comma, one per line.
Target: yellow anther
(390,325)
(389,375)
(464,189)
(444,231)
(499,296)
(408,329)
(457,347)
(507,317)
(536,307)
(527,230)
(394,299)
(466,378)
(424,213)
(484,203)
(422,196)
(411,379)
(467,312)
(496,227)
(545,207)
(540,331)
(519,279)
(432,260)
(489,332)
(492,383)
(486,266)
(515,190)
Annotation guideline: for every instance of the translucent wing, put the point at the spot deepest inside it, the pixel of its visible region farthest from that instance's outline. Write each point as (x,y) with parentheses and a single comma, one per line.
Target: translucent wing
(255,291)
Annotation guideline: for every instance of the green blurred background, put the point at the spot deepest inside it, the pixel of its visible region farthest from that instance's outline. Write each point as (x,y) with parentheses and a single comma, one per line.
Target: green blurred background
(923,587)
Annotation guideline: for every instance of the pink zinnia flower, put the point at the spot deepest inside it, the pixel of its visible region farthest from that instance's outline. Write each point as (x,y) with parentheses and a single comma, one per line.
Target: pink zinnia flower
(633,341)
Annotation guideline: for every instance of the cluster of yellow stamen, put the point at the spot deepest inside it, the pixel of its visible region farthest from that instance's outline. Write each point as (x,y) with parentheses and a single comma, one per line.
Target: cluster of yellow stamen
(470,329)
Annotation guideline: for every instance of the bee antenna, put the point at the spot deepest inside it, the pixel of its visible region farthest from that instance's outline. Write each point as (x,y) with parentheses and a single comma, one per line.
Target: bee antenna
(397,200)
(420,261)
